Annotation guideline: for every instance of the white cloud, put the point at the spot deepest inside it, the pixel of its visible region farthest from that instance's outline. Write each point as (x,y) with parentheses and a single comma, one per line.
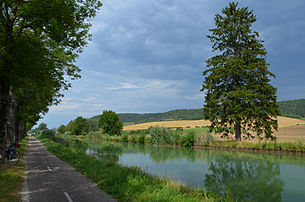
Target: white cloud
(63,106)
(194,97)
(123,86)
(88,99)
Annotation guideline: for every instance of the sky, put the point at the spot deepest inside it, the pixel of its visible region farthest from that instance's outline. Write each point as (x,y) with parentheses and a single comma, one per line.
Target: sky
(149,55)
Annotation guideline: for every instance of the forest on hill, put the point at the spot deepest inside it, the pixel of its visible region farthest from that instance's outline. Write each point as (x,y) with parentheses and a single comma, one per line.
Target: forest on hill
(291,108)
(178,114)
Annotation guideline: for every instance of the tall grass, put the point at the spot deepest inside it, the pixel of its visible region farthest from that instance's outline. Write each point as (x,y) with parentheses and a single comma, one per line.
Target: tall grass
(161,135)
(204,138)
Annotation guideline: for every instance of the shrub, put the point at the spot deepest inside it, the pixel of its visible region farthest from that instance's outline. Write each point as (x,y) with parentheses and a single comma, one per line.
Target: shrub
(47,134)
(124,137)
(67,133)
(94,135)
(188,139)
(148,139)
(61,129)
(133,139)
(141,139)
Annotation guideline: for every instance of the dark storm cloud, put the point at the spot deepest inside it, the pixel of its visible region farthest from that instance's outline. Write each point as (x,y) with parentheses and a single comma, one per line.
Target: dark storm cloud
(148,55)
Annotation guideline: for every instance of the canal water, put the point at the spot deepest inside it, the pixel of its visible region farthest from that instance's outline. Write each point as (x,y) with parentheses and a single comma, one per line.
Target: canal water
(245,176)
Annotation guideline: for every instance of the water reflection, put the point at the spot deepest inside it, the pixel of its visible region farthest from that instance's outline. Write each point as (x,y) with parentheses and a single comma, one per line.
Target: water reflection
(244,179)
(247,176)
(107,152)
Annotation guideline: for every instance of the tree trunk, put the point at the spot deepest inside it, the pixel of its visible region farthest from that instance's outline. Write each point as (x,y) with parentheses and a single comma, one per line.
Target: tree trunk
(7,116)
(20,130)
(237,129)
(12,118)
(4,112)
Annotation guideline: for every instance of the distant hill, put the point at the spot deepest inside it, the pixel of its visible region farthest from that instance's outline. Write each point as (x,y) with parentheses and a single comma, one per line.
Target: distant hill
(292,108)
(178,114)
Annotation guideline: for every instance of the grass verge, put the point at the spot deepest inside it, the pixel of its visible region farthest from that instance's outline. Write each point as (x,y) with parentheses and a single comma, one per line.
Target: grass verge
(12,177)
(127,183)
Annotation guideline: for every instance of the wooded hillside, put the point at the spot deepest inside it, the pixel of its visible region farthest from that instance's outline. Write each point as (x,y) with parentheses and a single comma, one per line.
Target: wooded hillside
(291,108)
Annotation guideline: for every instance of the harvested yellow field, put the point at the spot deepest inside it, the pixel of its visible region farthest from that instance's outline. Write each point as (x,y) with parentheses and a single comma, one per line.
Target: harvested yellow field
(286,122)
(290,130)
(282,121)
(169,124)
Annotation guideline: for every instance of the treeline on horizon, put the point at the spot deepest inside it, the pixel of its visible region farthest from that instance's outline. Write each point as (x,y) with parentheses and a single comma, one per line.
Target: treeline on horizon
(291,108)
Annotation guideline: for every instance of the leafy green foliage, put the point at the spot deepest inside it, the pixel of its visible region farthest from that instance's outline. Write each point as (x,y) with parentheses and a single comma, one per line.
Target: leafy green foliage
(239,98)
(80,126)
(141,139)
(124,137)
(40,41)
(69,126)
(48,133)
(93,124)
(42,127)
(188,139)
(110,123)
(61,129)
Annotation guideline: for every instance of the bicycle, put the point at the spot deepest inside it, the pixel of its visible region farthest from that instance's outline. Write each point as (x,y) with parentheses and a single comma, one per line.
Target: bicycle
(11,155)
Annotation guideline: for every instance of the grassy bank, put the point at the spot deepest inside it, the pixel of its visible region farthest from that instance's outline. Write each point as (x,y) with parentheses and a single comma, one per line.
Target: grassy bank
(12,177)
(297,147)
(125,183)
(199,137)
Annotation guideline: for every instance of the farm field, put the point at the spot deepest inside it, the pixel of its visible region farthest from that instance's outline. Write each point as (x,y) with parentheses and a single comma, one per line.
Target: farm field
(290,130)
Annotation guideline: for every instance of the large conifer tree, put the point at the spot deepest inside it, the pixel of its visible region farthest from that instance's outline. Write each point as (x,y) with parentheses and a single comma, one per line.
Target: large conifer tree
(239,98)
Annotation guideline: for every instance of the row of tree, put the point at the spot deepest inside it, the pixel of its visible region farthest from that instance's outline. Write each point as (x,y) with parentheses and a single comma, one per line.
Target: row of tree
(39,43)
(109,122)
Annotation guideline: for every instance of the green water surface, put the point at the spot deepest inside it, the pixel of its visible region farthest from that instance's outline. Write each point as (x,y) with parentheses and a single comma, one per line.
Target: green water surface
(244,176)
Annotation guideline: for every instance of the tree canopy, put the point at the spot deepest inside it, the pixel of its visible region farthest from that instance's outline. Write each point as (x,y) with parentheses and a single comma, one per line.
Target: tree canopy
(39,43)
(80,126)
(239,98)
(110,123)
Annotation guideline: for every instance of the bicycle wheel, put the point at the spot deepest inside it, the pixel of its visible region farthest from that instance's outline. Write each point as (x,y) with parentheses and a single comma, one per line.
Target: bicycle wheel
(14,158)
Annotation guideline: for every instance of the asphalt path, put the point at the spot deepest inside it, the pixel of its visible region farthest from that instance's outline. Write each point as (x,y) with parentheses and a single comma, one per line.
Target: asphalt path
(50,179)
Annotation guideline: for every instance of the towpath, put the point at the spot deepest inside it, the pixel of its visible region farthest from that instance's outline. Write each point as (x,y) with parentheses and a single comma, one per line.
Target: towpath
(50,179)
